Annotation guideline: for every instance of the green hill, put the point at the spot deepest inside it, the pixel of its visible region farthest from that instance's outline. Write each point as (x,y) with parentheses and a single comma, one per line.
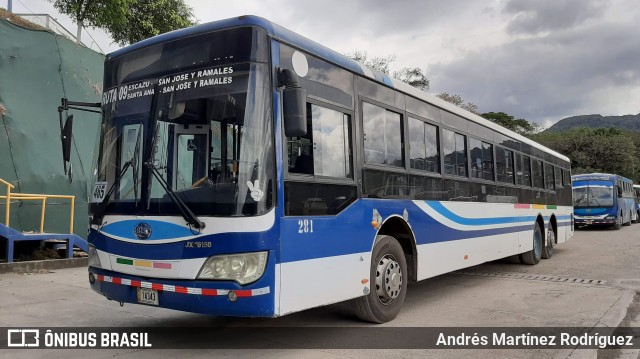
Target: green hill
(626,122)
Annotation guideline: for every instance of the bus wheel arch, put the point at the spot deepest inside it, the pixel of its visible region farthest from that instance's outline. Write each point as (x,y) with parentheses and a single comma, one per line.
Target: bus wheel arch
(398,228)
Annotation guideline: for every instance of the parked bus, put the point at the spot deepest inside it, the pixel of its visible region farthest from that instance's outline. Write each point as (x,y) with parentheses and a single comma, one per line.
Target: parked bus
(245,170)
(603,199)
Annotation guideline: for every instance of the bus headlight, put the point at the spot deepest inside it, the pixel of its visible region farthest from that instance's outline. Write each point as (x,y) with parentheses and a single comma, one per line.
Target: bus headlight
(611,217)
(94,260)
(243,268)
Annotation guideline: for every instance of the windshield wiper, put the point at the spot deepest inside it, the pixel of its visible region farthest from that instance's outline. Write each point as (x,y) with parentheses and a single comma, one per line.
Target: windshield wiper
(134,164)
(185,211)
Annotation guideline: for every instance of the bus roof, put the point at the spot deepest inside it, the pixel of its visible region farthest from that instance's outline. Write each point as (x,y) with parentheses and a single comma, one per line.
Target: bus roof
(287,36)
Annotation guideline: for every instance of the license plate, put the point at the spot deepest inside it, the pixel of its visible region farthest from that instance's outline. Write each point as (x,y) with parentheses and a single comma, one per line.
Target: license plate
(588,222)
(147,296)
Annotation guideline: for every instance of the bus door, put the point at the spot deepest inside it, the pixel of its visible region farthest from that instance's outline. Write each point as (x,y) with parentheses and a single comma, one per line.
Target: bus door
(190,156)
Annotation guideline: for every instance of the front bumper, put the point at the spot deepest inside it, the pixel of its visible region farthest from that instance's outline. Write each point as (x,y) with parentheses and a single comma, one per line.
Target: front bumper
(198,296)
(584,222)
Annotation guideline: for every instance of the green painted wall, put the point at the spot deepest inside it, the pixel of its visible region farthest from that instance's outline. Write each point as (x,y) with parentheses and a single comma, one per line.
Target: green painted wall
(37,68)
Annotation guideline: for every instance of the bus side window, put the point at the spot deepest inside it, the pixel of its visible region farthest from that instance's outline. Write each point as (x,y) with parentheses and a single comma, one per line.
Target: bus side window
(325,149)
(382,136)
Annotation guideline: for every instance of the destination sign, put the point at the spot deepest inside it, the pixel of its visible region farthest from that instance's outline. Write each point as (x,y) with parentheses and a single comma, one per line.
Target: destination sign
(195,79)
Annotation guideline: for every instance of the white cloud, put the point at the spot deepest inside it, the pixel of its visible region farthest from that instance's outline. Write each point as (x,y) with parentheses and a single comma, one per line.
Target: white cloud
(540,60)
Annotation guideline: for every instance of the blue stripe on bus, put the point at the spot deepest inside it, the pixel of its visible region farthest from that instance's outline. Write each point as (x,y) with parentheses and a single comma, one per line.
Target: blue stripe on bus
(347,233)
(441,209)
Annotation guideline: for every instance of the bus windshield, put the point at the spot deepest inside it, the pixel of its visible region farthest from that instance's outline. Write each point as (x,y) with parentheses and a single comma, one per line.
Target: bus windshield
(203,134)
(592,196)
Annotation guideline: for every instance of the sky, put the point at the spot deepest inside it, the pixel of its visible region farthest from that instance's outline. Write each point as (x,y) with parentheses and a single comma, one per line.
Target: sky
(541,60)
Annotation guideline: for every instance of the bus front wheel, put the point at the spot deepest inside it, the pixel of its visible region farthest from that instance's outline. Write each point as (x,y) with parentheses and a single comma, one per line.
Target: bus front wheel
(618,224)
(533,256)
(388,281)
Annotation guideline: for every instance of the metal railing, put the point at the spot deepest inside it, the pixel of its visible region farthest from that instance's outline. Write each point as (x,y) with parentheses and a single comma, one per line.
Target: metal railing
(37,197)
(50,23)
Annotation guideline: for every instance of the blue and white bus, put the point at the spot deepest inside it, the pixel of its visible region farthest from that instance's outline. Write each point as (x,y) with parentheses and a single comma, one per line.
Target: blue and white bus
(245,170)
(603,199)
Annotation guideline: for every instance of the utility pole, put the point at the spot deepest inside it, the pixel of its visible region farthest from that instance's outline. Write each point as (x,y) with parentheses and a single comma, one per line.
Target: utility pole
(9,5)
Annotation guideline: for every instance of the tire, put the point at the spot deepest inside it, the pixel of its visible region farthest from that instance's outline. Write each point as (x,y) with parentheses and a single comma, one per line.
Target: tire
(618,224)
(388,280)
(533,256)
(550,242)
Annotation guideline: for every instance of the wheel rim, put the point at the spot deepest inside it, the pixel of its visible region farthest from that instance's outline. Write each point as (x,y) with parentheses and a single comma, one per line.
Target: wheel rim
(537,242)
(551,239)
(388,279)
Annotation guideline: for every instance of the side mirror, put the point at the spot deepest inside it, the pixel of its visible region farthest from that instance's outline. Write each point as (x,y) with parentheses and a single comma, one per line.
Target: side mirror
(294,105)
(66,137)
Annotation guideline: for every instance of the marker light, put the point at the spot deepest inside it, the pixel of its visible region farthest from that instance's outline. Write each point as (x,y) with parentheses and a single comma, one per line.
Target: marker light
(243,268)
(94,260)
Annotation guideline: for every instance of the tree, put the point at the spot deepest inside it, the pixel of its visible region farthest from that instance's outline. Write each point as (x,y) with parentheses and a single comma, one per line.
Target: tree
(608,150)
(92,13)
(128,21)
(520,125)
(147,18)
(458,101)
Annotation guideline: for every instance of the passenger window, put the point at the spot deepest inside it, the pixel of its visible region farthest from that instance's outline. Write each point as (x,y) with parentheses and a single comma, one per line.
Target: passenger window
(423,146)
(549,182)
(382,136)
(558,176)
(566,177)
(325,149)
(454,148)
(538,176)
(481,159)
(526,171)
(504,164)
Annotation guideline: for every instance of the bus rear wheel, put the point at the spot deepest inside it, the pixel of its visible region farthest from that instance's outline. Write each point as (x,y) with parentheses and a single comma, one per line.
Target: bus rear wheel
(388,280)
(533,256)
(550,241)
